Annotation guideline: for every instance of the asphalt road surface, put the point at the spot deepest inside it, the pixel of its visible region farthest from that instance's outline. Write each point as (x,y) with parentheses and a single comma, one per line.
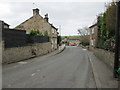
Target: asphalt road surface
(69,69)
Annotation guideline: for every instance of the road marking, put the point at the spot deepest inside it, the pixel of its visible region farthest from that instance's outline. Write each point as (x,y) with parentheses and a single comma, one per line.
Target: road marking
(33,74)
(84,49)
(22,62)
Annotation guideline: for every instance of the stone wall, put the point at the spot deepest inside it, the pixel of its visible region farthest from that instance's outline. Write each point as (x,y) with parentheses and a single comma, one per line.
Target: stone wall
(10,55)
(106,56)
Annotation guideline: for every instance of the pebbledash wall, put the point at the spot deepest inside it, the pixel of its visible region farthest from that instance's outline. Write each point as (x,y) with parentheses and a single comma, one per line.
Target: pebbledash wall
(16,54)
(105,56)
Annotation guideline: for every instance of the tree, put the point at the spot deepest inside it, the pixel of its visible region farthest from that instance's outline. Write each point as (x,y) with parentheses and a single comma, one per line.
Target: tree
(58,39)
(106,28)
(83,31)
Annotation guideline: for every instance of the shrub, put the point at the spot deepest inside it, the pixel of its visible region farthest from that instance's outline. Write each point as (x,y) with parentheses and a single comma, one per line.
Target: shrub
(36,32)
(85,43)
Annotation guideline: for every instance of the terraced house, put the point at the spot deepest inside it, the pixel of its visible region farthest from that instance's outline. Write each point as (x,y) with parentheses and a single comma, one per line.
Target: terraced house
(37,22)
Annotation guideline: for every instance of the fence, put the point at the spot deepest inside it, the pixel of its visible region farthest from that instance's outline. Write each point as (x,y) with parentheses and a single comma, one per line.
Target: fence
(37,39)
(18,38)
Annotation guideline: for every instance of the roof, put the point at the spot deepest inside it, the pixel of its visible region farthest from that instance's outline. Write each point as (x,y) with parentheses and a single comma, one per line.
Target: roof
(93,25)
(31,18)
(5,23)
(54,27)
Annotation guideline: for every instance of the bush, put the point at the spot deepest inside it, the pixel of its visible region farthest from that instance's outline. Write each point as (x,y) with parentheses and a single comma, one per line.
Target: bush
(110,44)
(36,32)
(85,43)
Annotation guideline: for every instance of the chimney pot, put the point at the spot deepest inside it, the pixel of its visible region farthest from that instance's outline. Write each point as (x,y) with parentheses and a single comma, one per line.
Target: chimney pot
(35,11)
(46,17)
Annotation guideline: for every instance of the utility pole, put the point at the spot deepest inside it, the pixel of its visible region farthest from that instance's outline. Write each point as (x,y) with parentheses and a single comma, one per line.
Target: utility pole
(117,39)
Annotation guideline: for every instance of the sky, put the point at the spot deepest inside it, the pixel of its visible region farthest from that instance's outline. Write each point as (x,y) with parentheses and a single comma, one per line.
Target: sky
(68,16)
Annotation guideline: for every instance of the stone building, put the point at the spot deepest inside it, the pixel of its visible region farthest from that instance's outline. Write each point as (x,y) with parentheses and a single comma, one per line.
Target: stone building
(5,25)
(54,37)
(37,22)
(93,35)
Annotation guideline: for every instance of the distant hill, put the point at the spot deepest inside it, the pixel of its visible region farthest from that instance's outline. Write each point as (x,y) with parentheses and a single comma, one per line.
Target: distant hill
(71,37)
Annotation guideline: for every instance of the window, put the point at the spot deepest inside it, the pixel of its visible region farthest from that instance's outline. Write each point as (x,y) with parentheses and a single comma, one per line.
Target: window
(93,31)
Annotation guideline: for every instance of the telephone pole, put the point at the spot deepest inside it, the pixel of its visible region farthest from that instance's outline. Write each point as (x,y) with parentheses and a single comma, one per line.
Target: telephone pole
(117,39)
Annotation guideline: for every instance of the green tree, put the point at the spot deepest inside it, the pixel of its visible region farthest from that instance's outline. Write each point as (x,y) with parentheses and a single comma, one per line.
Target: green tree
(58,39)
(106,28)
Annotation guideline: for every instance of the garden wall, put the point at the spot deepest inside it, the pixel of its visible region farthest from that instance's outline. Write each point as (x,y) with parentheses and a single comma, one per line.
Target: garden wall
(18,38)
(106,56)
(15,54)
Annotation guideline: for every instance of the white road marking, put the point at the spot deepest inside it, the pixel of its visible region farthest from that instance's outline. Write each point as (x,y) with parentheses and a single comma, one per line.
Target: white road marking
(22,62)
(33,74)
(84,49)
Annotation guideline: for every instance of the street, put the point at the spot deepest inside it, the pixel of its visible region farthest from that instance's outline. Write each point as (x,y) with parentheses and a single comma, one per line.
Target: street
(69,69)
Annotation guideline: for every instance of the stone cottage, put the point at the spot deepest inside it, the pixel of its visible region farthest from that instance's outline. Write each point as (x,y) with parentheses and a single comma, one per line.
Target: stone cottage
(5,25)
(37,22)
(93,35)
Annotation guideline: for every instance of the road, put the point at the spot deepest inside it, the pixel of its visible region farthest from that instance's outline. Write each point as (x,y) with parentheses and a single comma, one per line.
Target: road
(69,69)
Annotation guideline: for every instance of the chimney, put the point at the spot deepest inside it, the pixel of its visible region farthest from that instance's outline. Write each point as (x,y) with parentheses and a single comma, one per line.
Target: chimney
(35,11)
(46,17)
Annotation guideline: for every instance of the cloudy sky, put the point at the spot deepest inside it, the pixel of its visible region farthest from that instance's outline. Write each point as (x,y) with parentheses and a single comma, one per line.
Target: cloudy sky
(69,15)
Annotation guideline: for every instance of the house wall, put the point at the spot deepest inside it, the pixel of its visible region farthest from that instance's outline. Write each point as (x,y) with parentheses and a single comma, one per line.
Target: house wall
(54,38)
(36,22)
(15,54)
(93,36)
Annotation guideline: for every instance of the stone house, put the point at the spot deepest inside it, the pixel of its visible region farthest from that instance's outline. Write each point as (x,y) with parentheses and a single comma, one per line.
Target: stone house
(54,37)
(93,35)
(37,22)
(5,25)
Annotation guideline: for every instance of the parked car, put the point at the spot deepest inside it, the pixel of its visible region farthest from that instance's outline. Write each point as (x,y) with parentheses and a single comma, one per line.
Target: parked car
(73,44)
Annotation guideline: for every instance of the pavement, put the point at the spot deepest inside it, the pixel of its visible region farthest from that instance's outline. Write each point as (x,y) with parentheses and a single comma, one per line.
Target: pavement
(102,73)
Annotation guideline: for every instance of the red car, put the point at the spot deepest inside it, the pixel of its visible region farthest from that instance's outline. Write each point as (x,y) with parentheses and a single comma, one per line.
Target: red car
(73,44)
